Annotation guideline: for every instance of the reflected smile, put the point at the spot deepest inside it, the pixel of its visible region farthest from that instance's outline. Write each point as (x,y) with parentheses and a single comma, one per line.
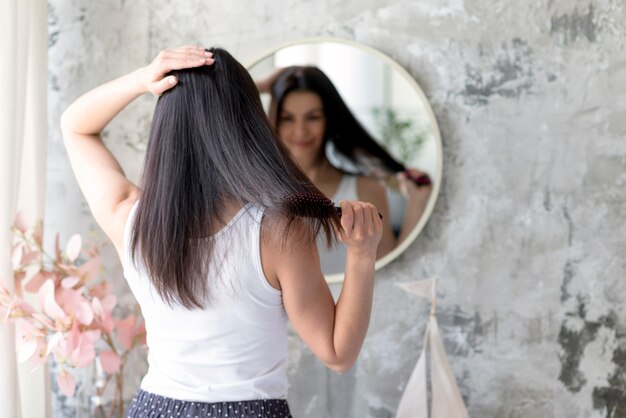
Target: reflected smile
(303,144)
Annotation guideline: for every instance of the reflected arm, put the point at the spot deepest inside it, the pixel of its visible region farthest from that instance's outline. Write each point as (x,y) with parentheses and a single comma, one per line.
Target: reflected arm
(416,201)
(265,84)
(370,190)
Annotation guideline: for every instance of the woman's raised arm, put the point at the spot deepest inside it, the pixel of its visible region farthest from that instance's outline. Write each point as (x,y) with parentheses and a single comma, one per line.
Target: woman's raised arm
(99,175)
(334,332)
(264,85)
(416,200)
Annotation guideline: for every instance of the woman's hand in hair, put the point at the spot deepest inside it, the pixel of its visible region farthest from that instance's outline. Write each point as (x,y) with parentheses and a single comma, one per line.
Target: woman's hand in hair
(153,77)
(409,189)
(362,226)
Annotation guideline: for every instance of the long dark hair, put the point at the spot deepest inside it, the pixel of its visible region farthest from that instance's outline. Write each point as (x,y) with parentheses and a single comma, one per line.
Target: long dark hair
(211,144)
(343,130)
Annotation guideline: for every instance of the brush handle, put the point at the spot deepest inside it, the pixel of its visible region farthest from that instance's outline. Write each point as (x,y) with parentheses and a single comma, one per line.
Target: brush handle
(338,209)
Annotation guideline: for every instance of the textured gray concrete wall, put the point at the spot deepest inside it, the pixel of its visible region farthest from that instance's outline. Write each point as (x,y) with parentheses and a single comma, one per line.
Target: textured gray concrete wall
(527,237)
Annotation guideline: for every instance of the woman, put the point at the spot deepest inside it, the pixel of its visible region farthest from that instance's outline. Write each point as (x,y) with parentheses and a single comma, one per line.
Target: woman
(214,245)
(307,113)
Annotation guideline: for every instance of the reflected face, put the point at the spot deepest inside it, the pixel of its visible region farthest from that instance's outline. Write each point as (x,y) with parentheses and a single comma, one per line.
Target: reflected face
(301,124)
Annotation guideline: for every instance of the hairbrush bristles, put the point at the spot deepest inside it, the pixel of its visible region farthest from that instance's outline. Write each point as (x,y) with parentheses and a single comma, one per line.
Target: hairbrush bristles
(309,204)
(312,198)
(305,200)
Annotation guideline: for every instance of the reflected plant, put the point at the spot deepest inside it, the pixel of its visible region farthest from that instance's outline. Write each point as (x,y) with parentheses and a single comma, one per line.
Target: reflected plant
(402,137)
(73,322)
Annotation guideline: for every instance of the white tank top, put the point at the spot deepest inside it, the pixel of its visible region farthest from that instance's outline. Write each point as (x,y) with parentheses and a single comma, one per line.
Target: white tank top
(235,348)
(334,261)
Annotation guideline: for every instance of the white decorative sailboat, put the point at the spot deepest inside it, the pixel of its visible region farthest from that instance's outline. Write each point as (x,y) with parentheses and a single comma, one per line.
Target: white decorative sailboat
(446,398)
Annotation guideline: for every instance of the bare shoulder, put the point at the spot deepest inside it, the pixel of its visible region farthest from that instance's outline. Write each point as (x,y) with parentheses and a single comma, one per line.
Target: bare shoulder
(285,247)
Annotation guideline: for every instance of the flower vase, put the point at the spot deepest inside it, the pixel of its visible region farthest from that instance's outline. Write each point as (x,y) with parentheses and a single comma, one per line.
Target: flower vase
(102,394)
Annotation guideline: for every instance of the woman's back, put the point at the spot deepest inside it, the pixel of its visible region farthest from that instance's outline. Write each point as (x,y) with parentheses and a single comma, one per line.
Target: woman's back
(235,347)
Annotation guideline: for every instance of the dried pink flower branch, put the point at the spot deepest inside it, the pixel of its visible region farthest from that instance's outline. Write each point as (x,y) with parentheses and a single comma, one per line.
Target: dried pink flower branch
(75,309)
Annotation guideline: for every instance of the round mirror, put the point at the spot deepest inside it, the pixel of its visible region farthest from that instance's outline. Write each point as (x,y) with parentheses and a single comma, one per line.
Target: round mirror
(389,109)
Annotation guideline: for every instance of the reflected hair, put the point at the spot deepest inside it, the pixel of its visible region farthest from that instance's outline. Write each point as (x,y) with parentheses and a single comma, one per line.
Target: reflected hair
(343,130)
(211,144)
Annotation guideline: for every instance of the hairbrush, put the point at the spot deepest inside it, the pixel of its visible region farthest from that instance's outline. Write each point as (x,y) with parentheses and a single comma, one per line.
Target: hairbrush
(418,179)
(316,199)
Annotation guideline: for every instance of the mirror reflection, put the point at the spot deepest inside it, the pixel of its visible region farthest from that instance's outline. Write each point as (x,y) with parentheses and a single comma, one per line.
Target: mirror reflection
(358,129)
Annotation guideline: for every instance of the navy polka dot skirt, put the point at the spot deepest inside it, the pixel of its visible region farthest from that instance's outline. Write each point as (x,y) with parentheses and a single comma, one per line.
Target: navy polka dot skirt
(146,404)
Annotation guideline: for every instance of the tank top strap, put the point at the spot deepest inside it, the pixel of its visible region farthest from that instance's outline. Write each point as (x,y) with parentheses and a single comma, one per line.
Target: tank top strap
(252,227)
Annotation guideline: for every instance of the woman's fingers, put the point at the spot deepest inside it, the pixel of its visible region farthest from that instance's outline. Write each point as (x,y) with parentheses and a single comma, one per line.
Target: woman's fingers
(373,219)
(361,223)
(180,59)
(372,213)
(165,84)
(358,217)
(184,51)
(153,77)
(347,216)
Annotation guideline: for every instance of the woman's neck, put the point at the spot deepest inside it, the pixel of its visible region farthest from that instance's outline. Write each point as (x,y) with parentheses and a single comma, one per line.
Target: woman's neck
(317,170)
(323,175)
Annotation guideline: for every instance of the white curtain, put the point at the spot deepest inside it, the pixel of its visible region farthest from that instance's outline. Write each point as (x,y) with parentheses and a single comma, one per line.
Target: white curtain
(23,139)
